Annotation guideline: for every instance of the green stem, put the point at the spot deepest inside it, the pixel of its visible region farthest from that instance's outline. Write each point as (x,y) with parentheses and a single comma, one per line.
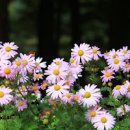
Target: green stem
(29,106)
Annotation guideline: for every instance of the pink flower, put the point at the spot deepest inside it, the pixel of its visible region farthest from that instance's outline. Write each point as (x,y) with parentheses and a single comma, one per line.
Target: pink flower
(119,90)
(28,63)
(77,97)
(55,73)
(67,97)
(95,53)
(126,68)
(7,71)
(125,52)
(35,88)
(107,75)
(60,62)
(37,76)
(116,63)
(57,90)
(44,85)
(75,70)
(91,95)
(5,96)
(18,64)
(93,112)
(9,49)
(127,86)
(21,104)
(81,53)
(4,58)
(115,54)
(122,110)
(104,121)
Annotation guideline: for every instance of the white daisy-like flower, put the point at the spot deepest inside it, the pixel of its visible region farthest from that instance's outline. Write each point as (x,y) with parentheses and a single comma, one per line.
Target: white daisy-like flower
(125,52)
(127,86)
(91,95)
(37,76)
(67,97)
(116,63)
(106,55)
(21,104)
(60,62)
(57,90)
(55,73)
(104,121)
(95,51)
(28,62)
(81,53)
(122,110)
(4,59)
(7,71)
(119,90)
(107,75)
(5,96)
(76,69)
(115,54)
(9,49)
(39,64)
(126,68)
(93,112)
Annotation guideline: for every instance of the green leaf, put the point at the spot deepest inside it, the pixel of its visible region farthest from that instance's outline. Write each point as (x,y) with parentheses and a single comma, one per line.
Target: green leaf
(2,124)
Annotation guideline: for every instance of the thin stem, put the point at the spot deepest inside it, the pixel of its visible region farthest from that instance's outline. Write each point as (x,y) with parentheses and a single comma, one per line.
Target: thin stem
(27,103)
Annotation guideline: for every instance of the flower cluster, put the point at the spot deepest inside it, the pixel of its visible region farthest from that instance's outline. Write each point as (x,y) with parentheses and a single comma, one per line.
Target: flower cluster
(15,70)
(24,83)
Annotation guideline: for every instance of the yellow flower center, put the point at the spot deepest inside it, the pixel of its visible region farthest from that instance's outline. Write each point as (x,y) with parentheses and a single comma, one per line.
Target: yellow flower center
(20,103)
(44,85)
(107,74)
(75,98)
(23,87)
(117,87)
(25,62)
(8,49)
(126,65)
(125,51)
(123,109)
(18,63)
(68,95)
(80,52)
(34,88)
(87,95)
(1,94)
(103,119)
(57,87)
(72,60)
(94,51)
(129,88)
(37,76)
(116,61)
(93,113)
(56,72)
(57,62)
(7,70)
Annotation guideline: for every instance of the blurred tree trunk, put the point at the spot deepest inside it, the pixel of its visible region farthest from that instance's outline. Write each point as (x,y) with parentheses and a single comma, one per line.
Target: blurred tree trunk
(4,23)
(46,46)
(119,23)
(75,21)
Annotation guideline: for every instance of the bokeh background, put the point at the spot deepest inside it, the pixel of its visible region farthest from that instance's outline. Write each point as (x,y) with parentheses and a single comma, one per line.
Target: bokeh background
(51,27)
